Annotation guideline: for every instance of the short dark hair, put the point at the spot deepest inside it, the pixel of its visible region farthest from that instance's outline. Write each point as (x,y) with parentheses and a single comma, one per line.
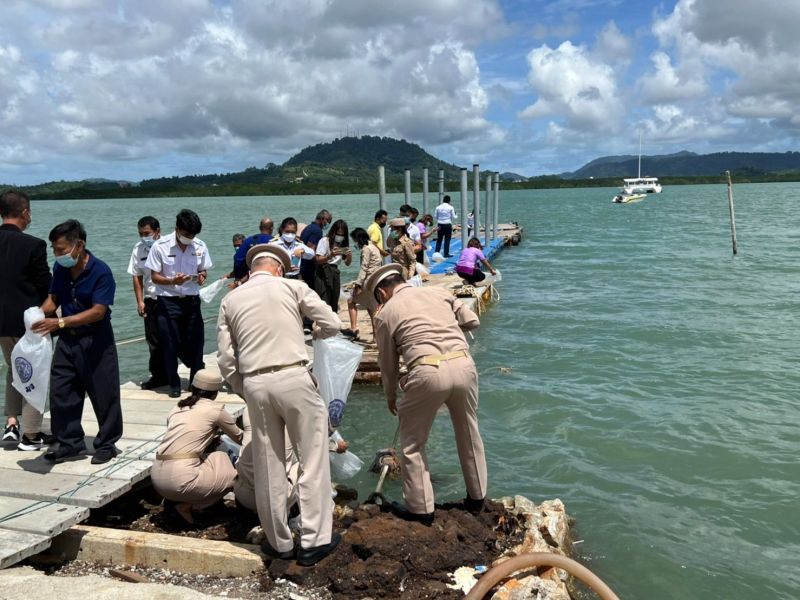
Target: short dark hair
(446,199)
(405,208)
(285,222)
(188,221)
(13,203)
(71,230)
(150,222)
(360,236)
(381,213)
(238,237)
(323,214)
(413,210)
(389,283)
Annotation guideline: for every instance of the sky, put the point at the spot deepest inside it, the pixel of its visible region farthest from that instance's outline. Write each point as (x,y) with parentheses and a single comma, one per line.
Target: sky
(135,89)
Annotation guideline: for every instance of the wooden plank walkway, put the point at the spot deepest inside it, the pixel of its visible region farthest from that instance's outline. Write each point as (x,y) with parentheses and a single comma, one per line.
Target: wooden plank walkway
(39,500)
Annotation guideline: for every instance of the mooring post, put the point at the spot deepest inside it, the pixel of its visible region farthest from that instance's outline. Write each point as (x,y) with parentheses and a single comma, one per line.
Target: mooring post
(464,209)
(476,200)
(441,185)
(407,186)
(496,211)
(382,198)
(732,213)
(425,191)
(487,230)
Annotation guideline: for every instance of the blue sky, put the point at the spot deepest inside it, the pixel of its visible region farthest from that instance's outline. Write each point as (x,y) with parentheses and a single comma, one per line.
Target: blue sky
(129,89)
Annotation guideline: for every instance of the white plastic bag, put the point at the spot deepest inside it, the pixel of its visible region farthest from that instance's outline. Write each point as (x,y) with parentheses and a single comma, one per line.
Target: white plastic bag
(32,357)
(422,270)
(345,465)
(209,292)
(335,362)
(437,257)
(416,281)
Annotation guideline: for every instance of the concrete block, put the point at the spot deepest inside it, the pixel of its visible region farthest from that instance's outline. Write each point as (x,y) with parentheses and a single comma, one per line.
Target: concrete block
(177,553)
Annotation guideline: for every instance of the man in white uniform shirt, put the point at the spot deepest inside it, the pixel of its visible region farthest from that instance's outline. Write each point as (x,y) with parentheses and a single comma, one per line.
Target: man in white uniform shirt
(145,291)
(445,215)
(179,263)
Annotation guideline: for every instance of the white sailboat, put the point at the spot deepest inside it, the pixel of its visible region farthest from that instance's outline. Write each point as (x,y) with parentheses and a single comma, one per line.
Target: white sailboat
(636,189)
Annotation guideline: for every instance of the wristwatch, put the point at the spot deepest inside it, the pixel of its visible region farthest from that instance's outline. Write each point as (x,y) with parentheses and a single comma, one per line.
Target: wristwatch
(61,324)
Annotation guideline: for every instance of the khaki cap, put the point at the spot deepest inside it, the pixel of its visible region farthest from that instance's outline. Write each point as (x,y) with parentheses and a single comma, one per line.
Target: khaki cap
(379,275)
(208,380)
(397,222)
(271,250)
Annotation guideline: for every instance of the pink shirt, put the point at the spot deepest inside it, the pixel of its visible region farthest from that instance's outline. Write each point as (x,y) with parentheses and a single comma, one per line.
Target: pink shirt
(470,258)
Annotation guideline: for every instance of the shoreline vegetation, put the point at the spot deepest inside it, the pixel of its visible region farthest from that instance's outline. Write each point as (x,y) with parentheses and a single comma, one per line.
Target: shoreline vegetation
(92,191)
(348,165)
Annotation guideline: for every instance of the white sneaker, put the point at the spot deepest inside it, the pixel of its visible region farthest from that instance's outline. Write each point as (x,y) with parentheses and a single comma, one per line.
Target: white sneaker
(29,445)
(11,434)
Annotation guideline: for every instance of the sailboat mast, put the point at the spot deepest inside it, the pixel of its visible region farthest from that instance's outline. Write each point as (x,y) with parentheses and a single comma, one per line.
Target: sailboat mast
(639,176)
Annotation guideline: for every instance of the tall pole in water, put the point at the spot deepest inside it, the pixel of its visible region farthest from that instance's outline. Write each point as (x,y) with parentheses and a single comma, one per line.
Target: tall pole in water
(639,175)
(496,211)
(730,210)
(441,185)
(425,191)
(464,209)
(382,199)
(476,200)
(487,231)
(407,186)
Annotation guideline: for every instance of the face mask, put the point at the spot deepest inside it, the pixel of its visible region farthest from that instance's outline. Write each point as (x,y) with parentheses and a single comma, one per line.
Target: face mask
(184,240)
(67,260)
(148,241)
(338,239)
(288,237)
(395,235)
(407,220)
(325,226)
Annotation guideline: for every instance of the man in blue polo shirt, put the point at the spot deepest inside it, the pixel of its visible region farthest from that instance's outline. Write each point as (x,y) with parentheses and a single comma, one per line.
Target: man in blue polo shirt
(311,236)
(85,357)
(265,228)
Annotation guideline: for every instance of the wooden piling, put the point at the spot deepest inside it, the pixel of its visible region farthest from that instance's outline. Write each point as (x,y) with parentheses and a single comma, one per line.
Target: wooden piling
(731,211)
(407,186)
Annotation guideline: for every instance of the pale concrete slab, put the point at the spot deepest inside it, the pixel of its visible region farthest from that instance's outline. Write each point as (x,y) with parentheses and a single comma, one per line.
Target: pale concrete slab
(33,462)
(67,489)
(42,518)
(18,545)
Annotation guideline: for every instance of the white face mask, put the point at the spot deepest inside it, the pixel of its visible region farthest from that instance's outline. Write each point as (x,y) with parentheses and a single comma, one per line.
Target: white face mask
(184,240)
(338,239)
(288,237)
(148,241)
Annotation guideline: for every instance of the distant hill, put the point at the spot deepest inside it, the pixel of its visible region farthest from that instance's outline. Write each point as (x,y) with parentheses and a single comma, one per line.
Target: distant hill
(689,164)
(510,176)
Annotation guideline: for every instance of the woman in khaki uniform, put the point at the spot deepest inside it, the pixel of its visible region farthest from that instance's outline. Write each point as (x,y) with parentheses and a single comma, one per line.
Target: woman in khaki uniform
(403,252)
(187,476)
(371,260)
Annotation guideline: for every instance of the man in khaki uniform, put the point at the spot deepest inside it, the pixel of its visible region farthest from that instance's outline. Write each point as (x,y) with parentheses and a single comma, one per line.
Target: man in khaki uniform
(425,326)
(262,354)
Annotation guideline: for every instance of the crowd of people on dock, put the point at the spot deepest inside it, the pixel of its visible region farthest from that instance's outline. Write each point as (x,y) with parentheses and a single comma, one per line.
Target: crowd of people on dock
(285,285)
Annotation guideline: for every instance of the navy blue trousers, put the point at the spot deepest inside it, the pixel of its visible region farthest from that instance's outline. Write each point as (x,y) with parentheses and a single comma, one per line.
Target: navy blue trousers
(85,364)
(181,335)
(444,233)
(156,363)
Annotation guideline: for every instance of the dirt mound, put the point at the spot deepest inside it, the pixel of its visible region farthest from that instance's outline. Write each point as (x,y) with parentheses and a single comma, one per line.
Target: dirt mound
(382,556)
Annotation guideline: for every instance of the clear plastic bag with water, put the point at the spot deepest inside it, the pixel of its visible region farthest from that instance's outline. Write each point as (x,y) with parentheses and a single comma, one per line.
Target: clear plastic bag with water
(31,359)
(209,292)
(335,362)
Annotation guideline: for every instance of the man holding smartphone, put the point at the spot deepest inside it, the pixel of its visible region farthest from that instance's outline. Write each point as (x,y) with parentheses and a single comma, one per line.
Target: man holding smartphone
(178,264)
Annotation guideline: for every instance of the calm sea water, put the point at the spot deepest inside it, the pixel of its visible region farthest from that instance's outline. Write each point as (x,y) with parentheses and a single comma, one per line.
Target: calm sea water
(653,382)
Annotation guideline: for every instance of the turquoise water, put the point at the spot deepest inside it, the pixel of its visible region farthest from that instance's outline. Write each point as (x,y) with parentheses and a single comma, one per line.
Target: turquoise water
(653,383)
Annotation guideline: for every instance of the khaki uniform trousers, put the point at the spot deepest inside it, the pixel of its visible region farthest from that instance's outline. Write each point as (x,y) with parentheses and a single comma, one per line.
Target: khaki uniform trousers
(16,405)
(454,384)
(201,483)
(283,402)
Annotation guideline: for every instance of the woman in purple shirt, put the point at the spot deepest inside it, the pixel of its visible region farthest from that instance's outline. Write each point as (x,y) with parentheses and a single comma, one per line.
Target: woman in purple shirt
(468,266)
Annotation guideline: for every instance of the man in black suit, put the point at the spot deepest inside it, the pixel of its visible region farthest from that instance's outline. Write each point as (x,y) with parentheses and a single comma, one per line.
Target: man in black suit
(26,282)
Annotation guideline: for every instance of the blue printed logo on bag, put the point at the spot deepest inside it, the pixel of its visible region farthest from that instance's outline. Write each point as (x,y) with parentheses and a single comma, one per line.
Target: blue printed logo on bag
(24,369)
(336,412)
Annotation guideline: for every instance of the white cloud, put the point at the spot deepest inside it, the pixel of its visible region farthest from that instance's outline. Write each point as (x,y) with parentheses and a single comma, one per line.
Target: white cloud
(130,80)
(612,44)
(667,84)
(574,85)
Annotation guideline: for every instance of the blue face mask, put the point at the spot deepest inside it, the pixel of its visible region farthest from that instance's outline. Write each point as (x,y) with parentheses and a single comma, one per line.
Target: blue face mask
(67,260)
(407,220)
(148,241)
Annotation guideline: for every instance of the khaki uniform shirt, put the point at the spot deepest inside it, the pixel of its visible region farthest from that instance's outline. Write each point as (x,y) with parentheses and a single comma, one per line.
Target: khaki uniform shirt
(260,326)
(190,428)
(417,322)
(371,261)
(403,254)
